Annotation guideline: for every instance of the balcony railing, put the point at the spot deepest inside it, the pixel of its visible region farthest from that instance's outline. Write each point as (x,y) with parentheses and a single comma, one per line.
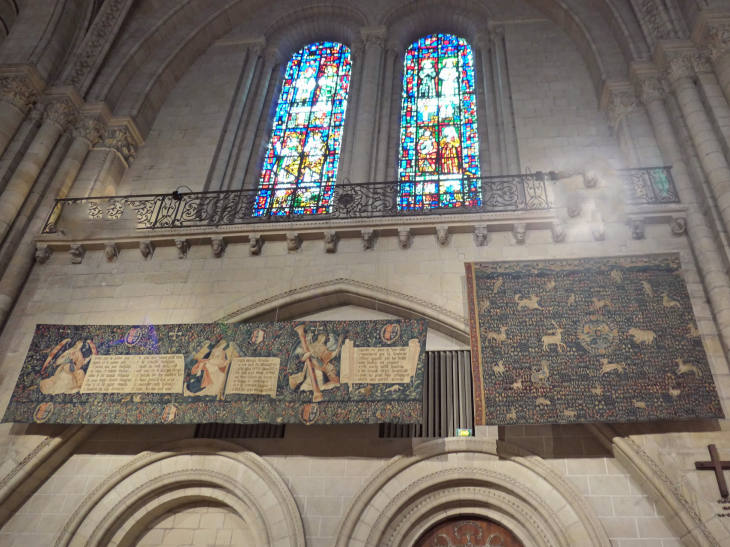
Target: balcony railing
(354,201)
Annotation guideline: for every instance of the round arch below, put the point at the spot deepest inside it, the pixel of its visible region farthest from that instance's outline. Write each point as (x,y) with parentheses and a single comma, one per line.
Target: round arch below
(450,477)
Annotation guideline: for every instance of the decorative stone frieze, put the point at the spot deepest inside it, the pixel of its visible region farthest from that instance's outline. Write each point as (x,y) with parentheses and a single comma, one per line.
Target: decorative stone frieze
(146,249)
(636,226)
(218,246)
(656,20)
(111,251)
(558,232)
(42,253)
(77,253)
(520,231)
(481,233)
(254,245)
(367,239)
(404,238)
(330,242)
(442,236)
(293,242)
(182,248)
(100,35)
(62,112)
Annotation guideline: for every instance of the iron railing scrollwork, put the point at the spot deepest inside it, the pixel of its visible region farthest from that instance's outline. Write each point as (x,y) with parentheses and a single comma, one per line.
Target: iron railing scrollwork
(353,201)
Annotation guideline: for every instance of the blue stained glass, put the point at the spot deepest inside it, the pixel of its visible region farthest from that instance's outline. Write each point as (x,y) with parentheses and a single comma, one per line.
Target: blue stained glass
(439,146)
(300,166)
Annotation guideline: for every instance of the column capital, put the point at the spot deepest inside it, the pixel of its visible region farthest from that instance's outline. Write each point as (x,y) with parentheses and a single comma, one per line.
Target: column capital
(272,56)
(60,111)
(123,137)
(712,33)
(497,31)
(618,100)
(679,59)
(92,122)
(648,83)
(374,36)
(20,86)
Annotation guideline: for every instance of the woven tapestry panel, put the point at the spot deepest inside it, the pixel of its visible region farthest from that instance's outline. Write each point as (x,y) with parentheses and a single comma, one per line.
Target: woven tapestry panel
(326,372)
(592,340)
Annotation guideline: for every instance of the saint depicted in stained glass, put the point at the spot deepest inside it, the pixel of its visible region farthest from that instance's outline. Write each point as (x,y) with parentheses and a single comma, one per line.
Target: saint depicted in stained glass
(439,155)
(300,166)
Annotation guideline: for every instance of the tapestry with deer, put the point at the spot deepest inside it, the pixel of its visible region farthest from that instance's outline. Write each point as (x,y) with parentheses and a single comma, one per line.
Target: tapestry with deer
(590,340)
(324,372)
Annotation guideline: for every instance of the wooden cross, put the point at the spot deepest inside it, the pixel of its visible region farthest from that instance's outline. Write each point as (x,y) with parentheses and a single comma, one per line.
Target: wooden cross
(717,466)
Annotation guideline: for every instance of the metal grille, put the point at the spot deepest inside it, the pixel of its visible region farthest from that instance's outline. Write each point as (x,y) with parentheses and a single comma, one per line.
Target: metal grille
(239,431)
(448,398)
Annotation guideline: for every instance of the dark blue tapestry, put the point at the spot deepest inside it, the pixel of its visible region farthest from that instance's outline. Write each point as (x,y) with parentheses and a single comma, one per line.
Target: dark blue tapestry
(308,388)
(590,340)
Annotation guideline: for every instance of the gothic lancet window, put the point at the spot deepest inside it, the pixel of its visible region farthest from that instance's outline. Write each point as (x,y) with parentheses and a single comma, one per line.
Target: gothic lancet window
(300,165)
(439,150)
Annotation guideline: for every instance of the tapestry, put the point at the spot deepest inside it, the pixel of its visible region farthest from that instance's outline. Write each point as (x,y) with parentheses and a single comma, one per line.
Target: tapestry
(325,372)
(590,340)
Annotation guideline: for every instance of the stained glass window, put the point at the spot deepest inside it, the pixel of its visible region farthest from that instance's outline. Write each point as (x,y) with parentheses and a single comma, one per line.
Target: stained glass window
(439,150)
(300,165)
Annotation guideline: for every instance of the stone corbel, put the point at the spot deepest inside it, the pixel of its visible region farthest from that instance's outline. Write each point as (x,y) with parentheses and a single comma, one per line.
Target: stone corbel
(367,239)
(77,253)
(42,253)
(637,225)
(330,242)
(598,231)
(182,247)
(678,225)
(254,245)
(558,232)
(519,231)
(617,101)
(404,238)
(146,249)
(481,235)
(111,251)
(442,236)
(218,246)
(293,242)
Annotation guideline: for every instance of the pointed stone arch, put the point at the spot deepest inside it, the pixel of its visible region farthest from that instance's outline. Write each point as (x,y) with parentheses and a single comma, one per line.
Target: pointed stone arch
(339,292)
(178,474)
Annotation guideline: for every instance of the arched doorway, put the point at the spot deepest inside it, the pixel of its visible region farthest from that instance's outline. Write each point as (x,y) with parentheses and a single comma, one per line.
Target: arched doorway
(465,531)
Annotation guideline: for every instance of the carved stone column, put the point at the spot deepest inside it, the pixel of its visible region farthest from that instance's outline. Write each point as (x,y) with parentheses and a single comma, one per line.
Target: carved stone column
(87,132)
(504,89)
(362,160)
(271,61)
(348,142)
(715,280)
(716,42)
(225,160)
(631,125)
(122,141)
(19,91)
(391,54)
(495,145)
(59,113)
(679,70)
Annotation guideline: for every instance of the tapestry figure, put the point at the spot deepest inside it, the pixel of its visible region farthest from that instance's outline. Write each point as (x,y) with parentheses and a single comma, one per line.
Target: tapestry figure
(70,362)
(208,374)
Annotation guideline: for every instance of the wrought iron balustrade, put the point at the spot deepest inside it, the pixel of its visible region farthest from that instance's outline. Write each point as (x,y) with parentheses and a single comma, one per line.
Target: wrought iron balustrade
(352,201)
